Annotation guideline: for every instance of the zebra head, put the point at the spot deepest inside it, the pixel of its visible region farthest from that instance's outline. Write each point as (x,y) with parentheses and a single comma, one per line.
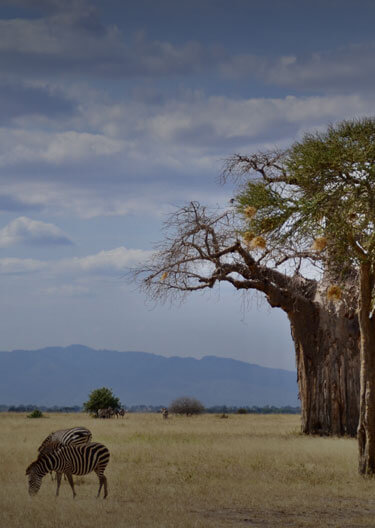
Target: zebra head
(35,478)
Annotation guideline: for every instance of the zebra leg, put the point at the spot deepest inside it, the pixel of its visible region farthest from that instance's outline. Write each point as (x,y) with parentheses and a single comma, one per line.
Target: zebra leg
(58,479)
(70,480)
(102,480)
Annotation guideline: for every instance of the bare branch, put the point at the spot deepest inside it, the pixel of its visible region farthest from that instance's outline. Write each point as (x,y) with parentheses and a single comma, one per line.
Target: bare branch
(266,165)
(202,248)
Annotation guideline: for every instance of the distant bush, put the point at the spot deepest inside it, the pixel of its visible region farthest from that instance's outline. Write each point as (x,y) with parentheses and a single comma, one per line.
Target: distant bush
(186,405)
(36,414)
(242,410)
(253,410)
(30,408)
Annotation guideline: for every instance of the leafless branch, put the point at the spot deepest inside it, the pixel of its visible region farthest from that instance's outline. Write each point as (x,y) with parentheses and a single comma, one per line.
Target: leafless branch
(202,248)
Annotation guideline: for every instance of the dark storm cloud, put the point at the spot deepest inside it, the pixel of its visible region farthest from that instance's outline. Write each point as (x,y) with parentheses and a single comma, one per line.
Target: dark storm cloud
(74,38)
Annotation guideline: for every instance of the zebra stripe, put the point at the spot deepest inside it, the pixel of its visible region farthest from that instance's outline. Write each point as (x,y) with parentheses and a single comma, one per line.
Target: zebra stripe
(74,436)
(70,460)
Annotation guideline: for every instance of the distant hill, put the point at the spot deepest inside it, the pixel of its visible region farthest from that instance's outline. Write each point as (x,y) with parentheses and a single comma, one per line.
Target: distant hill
(65,376)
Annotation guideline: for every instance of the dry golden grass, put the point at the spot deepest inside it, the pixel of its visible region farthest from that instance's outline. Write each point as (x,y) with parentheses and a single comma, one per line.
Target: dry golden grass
(248,470)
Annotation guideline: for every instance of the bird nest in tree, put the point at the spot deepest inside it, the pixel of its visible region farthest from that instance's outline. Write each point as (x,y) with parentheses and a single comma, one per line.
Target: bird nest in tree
(250,212)
(258,242)
(334,293)
(319,244)
(248,237)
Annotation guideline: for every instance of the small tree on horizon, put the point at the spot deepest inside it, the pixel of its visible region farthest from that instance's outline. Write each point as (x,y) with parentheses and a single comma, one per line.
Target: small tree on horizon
(101,399)
(186,405)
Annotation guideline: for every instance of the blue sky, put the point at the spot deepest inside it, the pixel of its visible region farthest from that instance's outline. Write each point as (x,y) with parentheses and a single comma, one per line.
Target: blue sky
(114,113)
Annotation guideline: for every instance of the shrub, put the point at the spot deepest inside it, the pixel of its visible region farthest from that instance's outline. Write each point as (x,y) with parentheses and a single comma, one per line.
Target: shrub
(186,405)
(36,414)
(242,410)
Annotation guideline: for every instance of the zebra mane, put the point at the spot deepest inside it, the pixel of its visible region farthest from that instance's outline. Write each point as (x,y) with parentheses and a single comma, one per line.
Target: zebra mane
(45,442)
(31,466)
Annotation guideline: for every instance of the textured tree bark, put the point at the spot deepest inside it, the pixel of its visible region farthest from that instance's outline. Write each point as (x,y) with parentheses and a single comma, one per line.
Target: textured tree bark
(366,427)
(327,359)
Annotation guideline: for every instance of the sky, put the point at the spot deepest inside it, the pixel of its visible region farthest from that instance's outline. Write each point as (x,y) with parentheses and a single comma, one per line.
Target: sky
(113,114)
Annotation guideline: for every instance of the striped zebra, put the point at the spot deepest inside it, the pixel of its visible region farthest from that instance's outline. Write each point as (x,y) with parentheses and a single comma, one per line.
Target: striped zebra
(70,460)
(75,436)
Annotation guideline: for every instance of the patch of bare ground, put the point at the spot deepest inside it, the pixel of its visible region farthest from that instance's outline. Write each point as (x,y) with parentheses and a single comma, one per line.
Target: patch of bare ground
(340,513)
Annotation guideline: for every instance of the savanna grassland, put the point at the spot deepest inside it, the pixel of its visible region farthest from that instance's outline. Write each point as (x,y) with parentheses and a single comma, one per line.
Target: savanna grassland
(247,470)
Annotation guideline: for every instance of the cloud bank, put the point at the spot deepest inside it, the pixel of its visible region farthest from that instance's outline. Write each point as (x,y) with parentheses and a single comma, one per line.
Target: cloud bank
(24,230)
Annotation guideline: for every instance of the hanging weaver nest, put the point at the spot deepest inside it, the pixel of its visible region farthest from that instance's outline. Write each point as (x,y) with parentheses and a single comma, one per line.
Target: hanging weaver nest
(249,212)
(320,243)
(248,237)
(164,276)
(258,242)
(334,293)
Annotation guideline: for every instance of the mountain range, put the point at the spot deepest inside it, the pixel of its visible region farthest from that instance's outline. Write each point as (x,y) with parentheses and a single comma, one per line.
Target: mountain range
(66,376)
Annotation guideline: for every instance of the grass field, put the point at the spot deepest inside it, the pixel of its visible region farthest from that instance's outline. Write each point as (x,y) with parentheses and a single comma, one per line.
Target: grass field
(247,470)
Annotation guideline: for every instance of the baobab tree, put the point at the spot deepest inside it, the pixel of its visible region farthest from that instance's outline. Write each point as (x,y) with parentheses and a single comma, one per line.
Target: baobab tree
(325,196)
(203,247)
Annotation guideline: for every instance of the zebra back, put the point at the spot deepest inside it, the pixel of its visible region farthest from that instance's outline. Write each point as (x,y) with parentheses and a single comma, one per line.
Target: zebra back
(77,460)
(74,436)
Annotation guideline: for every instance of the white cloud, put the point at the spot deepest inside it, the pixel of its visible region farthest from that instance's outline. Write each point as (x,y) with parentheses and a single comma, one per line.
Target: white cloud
(25,146)
(78,43)
(111,262)
(105,262)
(25,230)
(9,266)
(121,158)
(344,69)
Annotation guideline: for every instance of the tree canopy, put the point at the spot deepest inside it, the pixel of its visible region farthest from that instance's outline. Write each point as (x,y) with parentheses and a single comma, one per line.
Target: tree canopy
(101,399)
(320,195)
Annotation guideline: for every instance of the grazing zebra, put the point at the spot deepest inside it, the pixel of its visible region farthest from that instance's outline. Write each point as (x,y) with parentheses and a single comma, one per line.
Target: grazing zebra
(122,412)
(74,436)
(106,413)
(70,460)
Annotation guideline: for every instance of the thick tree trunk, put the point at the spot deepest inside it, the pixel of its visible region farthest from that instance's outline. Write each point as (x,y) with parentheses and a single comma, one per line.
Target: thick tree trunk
(327,358)
(366,427)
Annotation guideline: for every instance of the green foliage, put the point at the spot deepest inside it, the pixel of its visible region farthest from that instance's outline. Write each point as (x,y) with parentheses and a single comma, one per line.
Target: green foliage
(36,414)
(101,399)
(186,405)
(242,410)
(325,187)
